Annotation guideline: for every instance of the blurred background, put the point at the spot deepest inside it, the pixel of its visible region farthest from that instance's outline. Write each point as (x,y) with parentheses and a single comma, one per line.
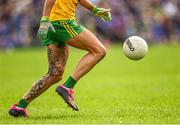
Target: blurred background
(158,21)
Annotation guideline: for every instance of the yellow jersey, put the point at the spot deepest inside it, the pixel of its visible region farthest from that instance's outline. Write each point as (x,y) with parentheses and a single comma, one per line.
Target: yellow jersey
(64,10)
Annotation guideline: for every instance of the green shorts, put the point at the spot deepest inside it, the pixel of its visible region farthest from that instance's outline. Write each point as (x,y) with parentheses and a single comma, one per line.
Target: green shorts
(65,30)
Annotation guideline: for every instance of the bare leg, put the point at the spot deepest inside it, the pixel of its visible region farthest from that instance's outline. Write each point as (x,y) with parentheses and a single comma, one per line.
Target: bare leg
(57,57)
(96,51)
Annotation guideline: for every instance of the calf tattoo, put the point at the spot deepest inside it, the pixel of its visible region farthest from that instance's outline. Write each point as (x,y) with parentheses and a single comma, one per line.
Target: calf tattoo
(57,58)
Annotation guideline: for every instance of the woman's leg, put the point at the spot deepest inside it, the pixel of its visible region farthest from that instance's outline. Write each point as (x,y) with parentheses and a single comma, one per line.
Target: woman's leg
(96,52)
(57,57)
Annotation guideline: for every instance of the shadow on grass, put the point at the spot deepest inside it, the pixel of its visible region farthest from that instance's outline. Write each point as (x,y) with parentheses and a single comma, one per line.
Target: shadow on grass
(56,116)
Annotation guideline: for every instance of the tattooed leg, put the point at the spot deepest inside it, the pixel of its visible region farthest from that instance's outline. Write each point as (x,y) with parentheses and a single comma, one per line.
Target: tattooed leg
(57,57)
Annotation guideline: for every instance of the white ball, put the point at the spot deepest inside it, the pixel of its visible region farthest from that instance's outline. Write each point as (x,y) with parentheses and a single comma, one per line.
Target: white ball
(135,48)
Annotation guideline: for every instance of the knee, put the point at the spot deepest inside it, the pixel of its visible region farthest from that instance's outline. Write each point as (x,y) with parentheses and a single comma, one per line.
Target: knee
(55,74)
(57,78)
(100,52)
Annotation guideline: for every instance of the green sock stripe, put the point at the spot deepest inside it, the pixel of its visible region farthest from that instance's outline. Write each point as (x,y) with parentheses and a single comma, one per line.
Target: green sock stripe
(22,103)
(70,83)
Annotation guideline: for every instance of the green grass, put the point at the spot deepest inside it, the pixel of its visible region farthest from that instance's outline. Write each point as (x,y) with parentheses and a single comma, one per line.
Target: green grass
(118,90)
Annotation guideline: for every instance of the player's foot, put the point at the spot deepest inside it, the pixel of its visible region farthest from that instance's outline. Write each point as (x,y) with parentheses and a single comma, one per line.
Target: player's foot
(67,95)
(16,111)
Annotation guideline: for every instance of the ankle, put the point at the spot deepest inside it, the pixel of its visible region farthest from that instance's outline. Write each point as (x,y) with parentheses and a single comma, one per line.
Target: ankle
(22,103)
(70,83)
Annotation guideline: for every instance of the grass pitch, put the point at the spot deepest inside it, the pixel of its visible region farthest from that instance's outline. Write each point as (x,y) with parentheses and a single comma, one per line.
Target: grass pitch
(117,90)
